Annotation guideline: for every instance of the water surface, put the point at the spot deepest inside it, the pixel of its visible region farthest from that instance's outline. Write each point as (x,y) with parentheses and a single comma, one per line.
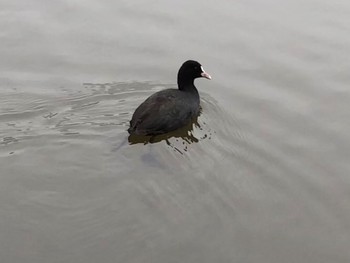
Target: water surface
(262,177)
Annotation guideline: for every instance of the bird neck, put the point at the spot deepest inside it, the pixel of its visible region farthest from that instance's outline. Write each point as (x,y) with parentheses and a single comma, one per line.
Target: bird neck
(186,84)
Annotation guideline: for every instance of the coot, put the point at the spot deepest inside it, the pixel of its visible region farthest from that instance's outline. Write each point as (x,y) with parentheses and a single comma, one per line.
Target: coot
(170,109)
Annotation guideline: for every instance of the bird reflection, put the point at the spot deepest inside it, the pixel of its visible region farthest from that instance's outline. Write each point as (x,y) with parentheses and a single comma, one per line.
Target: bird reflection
(185,133)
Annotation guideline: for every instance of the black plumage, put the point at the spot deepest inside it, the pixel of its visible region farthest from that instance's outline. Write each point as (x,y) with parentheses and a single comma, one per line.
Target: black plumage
(170,109)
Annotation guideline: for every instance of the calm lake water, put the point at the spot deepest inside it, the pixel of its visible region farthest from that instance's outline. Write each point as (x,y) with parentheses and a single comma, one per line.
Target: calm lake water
(264,176)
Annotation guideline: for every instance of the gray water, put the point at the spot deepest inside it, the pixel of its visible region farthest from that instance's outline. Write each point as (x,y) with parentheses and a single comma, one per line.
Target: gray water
(264,176)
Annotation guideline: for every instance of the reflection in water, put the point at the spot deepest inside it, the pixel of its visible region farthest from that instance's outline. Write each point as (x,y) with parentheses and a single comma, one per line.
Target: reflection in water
(185,133)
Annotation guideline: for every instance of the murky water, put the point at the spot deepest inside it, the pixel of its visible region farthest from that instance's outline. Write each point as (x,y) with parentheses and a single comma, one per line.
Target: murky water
(263,176)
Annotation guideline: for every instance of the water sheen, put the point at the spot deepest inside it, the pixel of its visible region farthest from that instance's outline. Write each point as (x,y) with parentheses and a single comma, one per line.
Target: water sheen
(261,176)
